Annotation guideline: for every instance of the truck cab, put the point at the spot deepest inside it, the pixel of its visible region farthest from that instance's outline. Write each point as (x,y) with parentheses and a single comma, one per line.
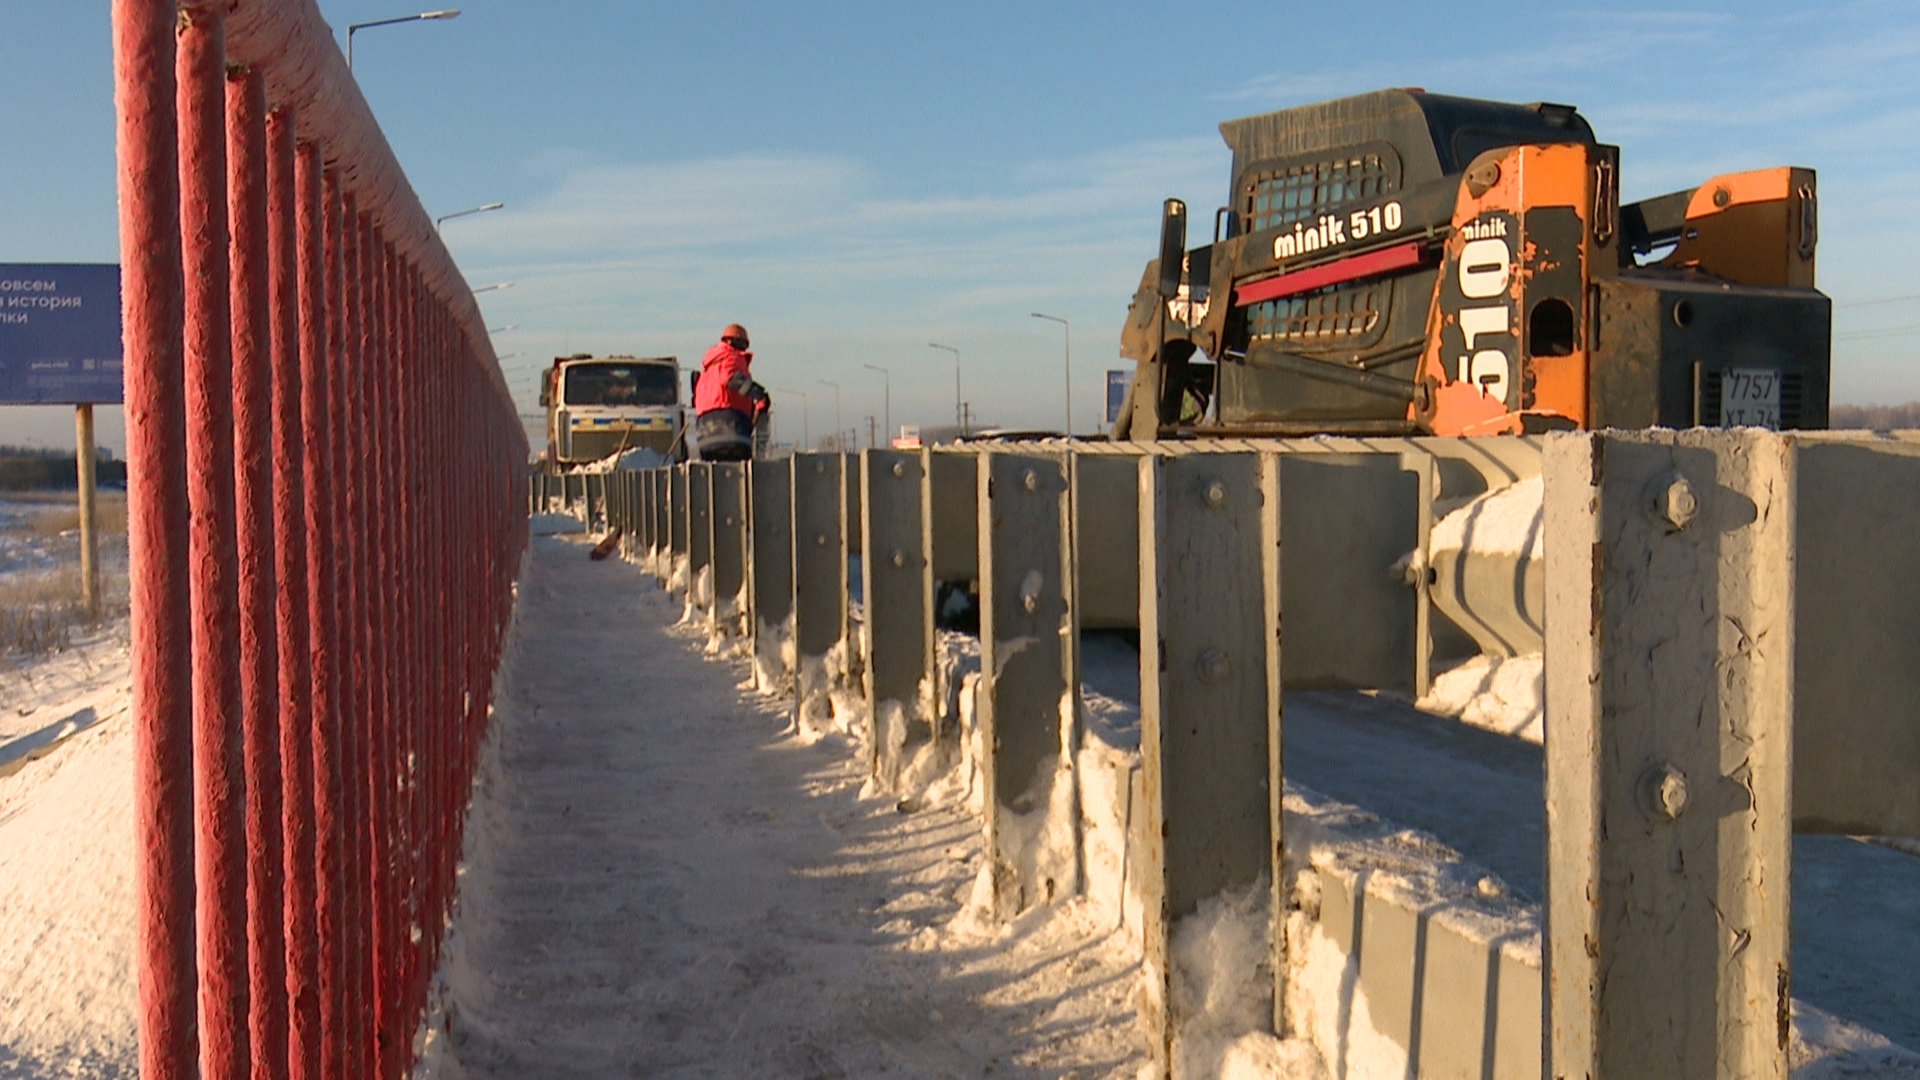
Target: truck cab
(599,407)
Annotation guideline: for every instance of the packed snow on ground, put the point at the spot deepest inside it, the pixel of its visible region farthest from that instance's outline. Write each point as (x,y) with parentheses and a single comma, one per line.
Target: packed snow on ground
(666,875)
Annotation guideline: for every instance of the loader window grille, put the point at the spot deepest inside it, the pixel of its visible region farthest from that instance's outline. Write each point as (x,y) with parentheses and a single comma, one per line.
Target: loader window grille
(1301,191)
(1331,316)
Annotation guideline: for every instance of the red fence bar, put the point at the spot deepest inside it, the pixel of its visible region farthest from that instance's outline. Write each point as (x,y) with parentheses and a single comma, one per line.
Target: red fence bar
(219,777)
(351,459)
(253,341)
(289,217)
(325,522)
(330,720)
(152,309)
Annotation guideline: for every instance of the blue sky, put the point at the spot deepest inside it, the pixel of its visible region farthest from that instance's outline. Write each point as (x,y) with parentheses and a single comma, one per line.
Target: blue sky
(855,180)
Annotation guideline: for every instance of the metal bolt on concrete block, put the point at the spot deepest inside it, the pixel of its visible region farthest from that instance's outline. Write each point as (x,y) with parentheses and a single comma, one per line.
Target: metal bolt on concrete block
(1214,667)
(899,468)
(1216,494)
(820,538)
(1663,792)
(1030,590)
(1674,500)
(1031,480)
(899,558)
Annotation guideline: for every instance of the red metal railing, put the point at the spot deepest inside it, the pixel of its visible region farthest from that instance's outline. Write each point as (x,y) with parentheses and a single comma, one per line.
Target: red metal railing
(325,517)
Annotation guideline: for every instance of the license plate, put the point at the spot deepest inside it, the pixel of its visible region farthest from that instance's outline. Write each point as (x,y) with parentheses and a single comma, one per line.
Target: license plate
(1750,397)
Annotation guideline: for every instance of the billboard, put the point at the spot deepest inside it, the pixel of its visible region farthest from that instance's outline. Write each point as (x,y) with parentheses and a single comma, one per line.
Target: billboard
(60,334)
(1117,383)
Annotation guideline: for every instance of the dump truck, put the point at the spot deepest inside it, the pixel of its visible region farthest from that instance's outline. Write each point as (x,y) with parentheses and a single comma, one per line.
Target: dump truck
(599,407)
(1411,263)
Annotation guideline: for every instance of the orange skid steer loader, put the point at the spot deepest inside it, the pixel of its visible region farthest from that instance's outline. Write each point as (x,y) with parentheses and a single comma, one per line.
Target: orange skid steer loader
(1409,263)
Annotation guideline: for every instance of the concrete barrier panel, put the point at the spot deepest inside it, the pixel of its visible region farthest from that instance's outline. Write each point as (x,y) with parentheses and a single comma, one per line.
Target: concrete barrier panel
(1856,743)
(956,516)
(898,593)
(729,518)
(1210,548)
(1030,679)
(772,574)
(1670,683)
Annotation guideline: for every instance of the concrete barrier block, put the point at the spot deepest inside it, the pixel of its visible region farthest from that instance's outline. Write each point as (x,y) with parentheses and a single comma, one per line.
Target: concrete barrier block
(1670,683)
(1856,742)
(956,515)
(772,574)
(1029,678)
(898,592)
(1210,548)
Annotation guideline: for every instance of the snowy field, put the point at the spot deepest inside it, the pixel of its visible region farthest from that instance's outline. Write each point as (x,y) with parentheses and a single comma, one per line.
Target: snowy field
(665,876)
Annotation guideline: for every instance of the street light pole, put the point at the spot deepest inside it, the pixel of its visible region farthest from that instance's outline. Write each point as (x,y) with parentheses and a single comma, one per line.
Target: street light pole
(806,436)
(495,285)
(425,15)
(464,213)
(887,376)
(1068,330)
(958,418)
(839,432)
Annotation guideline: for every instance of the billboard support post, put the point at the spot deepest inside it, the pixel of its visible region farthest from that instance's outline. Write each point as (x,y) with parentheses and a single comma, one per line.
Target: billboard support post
(89,532)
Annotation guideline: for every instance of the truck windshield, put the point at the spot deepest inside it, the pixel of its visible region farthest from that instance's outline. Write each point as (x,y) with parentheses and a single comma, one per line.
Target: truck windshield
(621,384)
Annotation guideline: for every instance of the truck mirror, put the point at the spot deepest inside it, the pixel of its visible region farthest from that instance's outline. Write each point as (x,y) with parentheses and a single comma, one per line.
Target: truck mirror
(1173,246)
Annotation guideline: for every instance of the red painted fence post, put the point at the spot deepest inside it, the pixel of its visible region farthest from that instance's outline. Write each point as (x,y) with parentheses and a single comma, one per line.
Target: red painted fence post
(219,774)
(253,343)
(327,556)
(152,301)
(289,217)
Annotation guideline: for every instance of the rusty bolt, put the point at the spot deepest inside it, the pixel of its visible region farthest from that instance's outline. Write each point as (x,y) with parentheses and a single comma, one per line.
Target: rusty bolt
(1663,792)
(1216,493)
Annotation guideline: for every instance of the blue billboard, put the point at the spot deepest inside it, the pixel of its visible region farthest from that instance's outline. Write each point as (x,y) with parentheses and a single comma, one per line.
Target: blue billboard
(1117,383)
(60,334)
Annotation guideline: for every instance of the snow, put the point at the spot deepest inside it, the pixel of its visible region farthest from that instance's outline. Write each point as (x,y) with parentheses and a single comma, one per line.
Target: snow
(664,876)
(1507,695)
(67,991)
(1505,521)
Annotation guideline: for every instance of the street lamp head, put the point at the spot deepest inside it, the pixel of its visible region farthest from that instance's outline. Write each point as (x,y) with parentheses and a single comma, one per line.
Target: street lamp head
(496,285)
(468,210)
(444,13)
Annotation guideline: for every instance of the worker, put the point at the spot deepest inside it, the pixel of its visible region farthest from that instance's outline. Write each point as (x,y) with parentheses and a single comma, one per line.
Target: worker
(726,400)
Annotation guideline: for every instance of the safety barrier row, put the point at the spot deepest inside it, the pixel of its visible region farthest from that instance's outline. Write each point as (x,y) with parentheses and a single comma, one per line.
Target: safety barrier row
(1748,566)
(324,524)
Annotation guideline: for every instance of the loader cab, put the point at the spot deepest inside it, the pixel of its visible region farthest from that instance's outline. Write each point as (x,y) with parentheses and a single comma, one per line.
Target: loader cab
(1291,170)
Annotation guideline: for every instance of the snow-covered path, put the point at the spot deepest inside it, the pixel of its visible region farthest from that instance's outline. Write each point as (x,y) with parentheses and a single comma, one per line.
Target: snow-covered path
(662,883)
